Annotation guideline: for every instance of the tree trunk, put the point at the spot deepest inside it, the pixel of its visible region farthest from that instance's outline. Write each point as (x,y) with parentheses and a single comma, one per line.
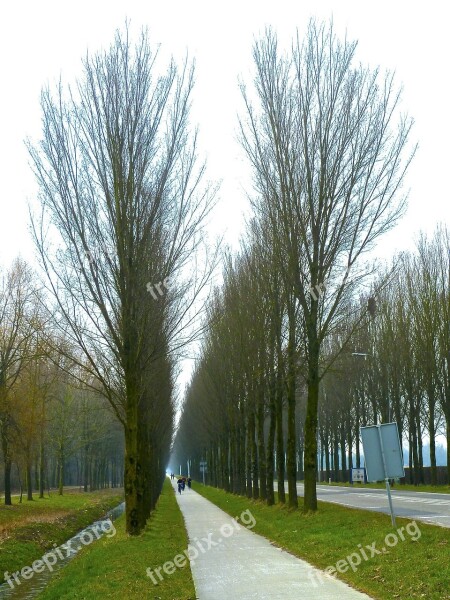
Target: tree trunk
(7,464)
(86,469)
(232,462)
(262,450)
(310,497)
(20,484)
(241,454)
(432,430)
(343,457)
(29,480)
(270,449)
(8,467)
(248,454)
(447,413)
(327,451)
(350,446)
(36,474)
(291,429)
(41,468)
(255,462)
(410,456)
(280,438)
(61,474)
(133,493)
(448,451)
(336,457)
(237,464)
(420,446)
(225,469)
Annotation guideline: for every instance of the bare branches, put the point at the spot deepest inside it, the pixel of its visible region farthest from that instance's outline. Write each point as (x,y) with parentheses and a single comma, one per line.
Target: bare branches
(123,207)
(329,154)
(327,149)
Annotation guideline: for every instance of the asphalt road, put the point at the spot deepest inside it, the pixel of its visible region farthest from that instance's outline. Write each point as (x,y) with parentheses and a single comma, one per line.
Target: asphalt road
(422,506)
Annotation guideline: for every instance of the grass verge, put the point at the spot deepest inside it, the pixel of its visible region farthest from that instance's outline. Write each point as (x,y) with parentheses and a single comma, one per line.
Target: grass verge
(410,569)
(29,529)
(115,567)
(397,487)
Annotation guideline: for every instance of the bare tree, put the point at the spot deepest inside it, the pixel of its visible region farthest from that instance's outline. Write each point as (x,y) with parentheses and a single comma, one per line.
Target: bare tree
(442,249)
(17,302)
(123,206)
(327,146)
(428,279)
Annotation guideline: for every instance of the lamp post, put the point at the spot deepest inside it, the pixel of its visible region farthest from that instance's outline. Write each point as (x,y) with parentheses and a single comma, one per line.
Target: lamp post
(365,354)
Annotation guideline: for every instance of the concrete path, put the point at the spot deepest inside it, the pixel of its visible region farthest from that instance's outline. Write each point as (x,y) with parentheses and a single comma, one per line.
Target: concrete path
(230,562)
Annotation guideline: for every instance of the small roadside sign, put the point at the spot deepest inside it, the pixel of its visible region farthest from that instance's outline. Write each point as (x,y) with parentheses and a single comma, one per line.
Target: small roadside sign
(358,476)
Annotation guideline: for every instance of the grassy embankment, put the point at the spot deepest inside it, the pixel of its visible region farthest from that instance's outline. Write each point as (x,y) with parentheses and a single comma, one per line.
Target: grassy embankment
(408,570)
(399,487)
(115,567)
(29,529)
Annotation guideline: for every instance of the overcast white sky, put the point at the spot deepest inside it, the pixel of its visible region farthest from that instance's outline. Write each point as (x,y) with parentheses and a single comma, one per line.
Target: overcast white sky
(39,41)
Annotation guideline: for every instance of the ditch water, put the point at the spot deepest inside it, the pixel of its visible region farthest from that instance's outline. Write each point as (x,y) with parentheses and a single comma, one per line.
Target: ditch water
(31,588)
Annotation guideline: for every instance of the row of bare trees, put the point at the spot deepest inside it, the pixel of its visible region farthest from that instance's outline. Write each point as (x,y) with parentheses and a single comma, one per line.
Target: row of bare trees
(122,208)
(392,362)
(53,428)
(401,366)
(329,150)
(18,319)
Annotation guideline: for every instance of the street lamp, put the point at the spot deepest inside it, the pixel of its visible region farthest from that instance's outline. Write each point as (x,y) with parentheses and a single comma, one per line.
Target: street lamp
(365,354)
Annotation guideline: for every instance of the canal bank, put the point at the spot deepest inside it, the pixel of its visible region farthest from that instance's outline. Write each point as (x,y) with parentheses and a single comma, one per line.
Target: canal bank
(30,529)
(31,580)
(117,567)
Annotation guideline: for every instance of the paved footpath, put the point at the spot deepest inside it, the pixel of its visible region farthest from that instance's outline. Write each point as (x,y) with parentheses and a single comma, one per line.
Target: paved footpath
(233,563)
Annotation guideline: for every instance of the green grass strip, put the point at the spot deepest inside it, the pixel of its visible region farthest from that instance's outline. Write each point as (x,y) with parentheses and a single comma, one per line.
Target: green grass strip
(397,487)
(115,567)
(410,569)
(29,529)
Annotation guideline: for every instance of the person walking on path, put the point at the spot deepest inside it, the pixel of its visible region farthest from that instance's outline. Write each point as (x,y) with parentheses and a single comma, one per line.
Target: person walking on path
(189,482)
(180,485)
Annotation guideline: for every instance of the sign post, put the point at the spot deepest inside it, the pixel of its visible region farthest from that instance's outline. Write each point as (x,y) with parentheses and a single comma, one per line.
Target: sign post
(203,468)
(383,456)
